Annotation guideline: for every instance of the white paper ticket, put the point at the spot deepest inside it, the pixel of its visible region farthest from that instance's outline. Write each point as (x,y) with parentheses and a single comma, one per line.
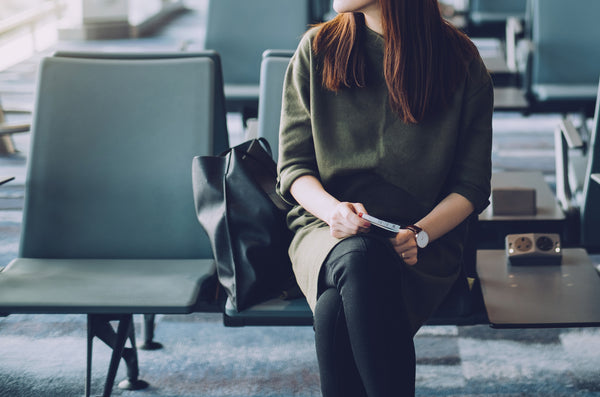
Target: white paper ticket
(392,227)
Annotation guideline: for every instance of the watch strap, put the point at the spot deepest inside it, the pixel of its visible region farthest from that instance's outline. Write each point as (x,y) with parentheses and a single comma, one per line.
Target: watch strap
(414,228)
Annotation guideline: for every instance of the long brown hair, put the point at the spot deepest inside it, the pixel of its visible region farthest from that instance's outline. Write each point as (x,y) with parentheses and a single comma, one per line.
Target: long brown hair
(425,56)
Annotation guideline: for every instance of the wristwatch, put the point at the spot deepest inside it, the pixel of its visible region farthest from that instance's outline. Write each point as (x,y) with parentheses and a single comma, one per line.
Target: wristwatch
(421,235)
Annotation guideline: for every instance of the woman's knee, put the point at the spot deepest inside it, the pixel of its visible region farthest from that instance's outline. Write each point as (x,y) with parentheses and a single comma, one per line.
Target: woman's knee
(328,310)
(358,258)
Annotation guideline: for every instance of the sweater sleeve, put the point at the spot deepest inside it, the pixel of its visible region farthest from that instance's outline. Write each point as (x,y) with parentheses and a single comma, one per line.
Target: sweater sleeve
(296,148)
(472,170)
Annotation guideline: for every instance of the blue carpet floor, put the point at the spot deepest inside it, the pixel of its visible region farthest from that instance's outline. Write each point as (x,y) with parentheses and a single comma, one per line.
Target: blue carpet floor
(45,356)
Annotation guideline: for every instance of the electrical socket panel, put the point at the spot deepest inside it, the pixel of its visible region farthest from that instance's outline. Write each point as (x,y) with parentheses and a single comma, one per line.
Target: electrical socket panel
(533,249)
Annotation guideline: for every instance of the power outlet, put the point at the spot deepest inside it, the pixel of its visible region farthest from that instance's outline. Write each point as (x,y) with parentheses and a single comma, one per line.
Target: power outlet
(533,249)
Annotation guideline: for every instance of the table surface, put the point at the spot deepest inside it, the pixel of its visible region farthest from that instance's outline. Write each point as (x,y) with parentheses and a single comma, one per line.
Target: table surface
(97,286)
(547,206)
(566,295)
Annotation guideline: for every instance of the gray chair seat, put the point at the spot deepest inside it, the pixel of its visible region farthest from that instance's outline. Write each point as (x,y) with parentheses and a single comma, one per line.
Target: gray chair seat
(276,311)
(102,286)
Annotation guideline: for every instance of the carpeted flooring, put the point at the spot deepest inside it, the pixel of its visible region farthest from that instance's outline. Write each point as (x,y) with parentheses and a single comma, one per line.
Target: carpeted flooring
(45,356)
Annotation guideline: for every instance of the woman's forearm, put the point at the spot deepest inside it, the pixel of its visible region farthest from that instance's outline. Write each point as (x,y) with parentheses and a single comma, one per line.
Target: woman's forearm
(310,194)
(445,216)
(342,217)
(449,213)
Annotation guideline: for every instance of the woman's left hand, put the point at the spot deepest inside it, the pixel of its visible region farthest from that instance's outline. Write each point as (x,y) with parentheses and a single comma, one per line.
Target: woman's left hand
(405,245)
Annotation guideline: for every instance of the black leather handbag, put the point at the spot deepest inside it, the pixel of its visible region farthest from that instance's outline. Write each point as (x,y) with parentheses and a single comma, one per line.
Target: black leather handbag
(236,204)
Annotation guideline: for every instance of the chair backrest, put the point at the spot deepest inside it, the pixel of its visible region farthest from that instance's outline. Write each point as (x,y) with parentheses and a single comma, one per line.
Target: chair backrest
(322,10)
(220,134)
(481,11)
(590,211)
(565,36)
(272,74)
(240,30)
(111,152)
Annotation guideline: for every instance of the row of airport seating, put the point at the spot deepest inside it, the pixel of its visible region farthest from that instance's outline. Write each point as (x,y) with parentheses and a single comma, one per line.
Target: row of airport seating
(241,30)
(558,58)
(548,57)
(488,17)
(550,54)
(551,50)
(109,226)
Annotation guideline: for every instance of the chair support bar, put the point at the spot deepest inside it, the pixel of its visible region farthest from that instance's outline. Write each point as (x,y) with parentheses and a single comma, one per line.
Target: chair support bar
(99,326)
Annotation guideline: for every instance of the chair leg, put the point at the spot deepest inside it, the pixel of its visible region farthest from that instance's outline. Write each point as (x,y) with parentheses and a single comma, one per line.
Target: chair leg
(131,359)
(99,325)
(122,332)
(88,367)
(7,145)
(149,343)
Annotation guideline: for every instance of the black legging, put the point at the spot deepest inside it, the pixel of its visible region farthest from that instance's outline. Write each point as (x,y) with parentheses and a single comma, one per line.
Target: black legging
(363,340)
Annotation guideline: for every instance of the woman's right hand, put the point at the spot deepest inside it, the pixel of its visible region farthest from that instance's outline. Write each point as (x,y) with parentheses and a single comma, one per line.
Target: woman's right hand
(342,217)
(344,220)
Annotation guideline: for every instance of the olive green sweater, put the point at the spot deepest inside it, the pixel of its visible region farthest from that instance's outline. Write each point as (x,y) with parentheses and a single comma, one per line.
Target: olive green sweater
(362,152)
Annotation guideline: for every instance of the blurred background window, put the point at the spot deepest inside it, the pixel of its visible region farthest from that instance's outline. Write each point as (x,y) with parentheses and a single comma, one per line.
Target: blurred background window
(26,27)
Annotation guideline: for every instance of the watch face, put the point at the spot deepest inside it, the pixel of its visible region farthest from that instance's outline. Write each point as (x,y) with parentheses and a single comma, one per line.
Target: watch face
(422,239)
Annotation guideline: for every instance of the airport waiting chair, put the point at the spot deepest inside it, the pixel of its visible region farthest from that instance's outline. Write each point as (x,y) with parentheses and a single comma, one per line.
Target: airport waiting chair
(577,161)
(240,31)
(109,226)
(590,207)
(322,10)
(558,62)
(219,134)
(489,17)
(272,72)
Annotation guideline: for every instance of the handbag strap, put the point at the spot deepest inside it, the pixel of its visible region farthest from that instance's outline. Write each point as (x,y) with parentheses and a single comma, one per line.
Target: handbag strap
(266,145)
(259,151)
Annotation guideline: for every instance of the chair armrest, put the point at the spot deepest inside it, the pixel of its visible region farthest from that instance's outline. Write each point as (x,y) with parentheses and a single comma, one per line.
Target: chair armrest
(514,28)
(566,137)
(571,135)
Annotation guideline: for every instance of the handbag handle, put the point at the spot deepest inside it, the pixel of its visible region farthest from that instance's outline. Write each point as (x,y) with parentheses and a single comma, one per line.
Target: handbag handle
(266,145)
(244,146)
